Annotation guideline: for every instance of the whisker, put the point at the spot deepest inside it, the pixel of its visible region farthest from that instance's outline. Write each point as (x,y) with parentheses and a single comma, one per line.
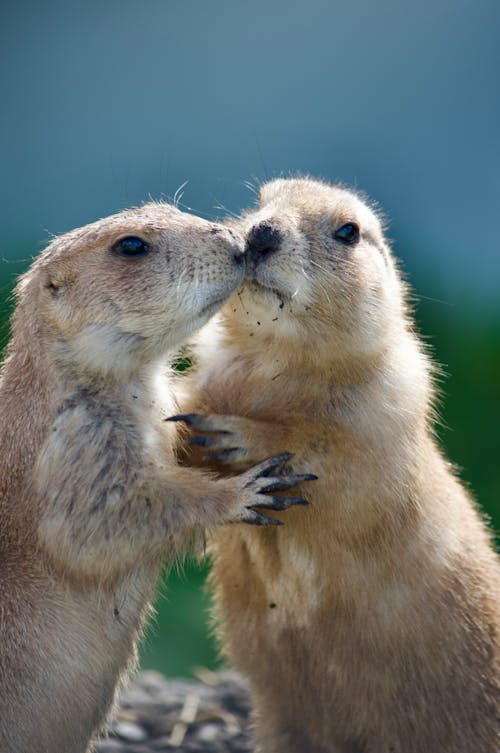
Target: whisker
(319,282)
(180,278)
(346,263)
(179,193)
(419,296)
(316,264)
(226,210)
(306,274)
(251,187)
(206,215)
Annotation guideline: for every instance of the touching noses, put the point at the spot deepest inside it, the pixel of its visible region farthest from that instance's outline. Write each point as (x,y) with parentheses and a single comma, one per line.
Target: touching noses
(262,240)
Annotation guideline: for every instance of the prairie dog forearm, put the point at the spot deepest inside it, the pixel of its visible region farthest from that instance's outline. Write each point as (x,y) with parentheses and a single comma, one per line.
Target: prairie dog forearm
(243,441)
(155,511)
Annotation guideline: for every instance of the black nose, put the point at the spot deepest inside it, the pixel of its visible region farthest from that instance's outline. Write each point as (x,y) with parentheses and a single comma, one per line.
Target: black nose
(263,239)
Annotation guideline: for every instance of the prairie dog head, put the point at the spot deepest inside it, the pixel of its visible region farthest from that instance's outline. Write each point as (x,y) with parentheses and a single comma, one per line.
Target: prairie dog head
(319,270)
(125,290)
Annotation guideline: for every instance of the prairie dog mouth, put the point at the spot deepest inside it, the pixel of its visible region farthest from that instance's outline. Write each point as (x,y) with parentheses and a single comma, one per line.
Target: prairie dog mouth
(269,292)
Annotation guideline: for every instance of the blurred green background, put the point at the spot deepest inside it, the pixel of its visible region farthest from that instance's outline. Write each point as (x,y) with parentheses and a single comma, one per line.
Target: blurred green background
(103,105)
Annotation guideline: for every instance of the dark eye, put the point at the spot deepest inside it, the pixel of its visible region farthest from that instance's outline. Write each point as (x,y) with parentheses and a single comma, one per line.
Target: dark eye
(348,234)
(131,246)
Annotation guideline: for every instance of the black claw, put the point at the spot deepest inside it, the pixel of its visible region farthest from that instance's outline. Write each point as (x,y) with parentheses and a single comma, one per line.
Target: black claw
(197,421)
(271,463)
(202,441)
(297,501)
(188,418)
(280,503)
(288,481)
(278,486)
(258,519)
(225,454)
(281,458)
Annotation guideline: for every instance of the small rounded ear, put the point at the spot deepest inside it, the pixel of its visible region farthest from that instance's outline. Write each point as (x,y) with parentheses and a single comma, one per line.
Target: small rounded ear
(55,280)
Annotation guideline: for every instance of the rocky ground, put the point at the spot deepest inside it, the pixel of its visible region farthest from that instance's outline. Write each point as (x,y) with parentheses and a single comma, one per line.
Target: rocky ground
(208,716)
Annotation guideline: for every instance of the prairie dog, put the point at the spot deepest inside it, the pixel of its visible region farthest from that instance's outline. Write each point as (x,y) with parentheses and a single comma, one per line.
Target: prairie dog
(370,624)
(91,499)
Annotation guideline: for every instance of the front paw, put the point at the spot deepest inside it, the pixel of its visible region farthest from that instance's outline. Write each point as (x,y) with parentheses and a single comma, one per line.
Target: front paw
(259,484)
(222,436)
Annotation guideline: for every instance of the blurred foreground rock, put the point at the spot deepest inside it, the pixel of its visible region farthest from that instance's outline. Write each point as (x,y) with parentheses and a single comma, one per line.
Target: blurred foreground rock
(154,714)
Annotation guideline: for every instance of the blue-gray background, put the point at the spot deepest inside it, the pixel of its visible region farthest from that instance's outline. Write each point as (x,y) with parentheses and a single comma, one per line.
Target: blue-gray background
(104,104)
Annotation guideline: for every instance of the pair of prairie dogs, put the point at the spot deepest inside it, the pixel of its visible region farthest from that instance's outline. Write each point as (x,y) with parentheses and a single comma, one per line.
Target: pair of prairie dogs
(368,622)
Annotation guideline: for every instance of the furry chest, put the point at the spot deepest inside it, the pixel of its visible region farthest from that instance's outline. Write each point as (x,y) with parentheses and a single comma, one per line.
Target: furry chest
(291,583)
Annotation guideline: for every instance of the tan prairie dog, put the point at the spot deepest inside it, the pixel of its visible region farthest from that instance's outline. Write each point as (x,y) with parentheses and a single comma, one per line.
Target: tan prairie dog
(369,622)
(91,500)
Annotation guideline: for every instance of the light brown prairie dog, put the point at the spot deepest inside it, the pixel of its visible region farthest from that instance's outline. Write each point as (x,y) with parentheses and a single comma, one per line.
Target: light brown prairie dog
(91,500)
(370,622)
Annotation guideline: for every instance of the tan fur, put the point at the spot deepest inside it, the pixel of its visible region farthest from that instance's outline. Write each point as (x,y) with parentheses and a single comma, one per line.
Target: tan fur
(91,500)
(369,622)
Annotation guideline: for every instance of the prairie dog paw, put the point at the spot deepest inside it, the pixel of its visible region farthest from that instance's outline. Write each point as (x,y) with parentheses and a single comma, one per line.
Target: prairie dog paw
(259,483)
(222,436)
